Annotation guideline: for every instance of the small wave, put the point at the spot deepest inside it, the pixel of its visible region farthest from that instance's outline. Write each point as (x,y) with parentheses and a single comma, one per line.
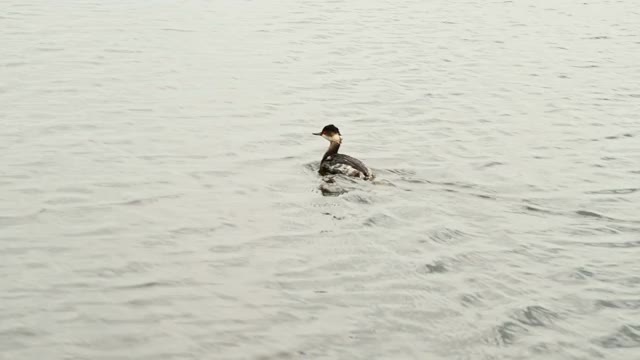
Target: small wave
(627,336)
(177,30)
(446,235)
(613,137)
(150,284)
(405,172)
(632,304)
(331,190)
(535,316)
(436,267)
(538,209)
(577,274)
(507,333)
(595,215)
(589,214)
(148,200)
(491,164)
(20,219)
(467,300)
(624,244)
(20,332)
(615,191)
(415,181)
(378,220)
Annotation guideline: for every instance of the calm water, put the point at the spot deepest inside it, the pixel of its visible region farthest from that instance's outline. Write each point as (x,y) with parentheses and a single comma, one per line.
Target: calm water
(159,196)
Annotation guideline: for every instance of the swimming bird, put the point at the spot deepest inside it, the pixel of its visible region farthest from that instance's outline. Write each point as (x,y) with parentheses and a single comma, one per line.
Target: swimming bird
(334,163)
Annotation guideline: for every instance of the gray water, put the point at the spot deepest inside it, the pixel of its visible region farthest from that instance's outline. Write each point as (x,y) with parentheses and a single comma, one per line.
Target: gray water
(159,196)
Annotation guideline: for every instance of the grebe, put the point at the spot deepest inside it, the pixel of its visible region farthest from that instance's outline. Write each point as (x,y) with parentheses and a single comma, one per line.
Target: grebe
(334,163)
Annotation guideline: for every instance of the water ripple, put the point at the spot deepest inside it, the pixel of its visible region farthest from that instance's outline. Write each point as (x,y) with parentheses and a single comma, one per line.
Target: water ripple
(160,195)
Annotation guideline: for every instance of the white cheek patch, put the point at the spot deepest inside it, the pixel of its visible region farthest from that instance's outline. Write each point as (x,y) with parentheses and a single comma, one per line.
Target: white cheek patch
(335,138)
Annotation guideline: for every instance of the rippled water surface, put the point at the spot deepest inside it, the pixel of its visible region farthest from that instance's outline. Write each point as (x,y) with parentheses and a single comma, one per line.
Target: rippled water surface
(159,196)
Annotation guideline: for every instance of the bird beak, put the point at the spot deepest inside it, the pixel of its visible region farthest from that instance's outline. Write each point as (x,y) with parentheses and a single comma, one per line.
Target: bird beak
(318,134)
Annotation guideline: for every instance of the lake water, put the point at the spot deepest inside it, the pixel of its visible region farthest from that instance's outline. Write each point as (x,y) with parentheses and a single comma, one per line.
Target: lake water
(159,196)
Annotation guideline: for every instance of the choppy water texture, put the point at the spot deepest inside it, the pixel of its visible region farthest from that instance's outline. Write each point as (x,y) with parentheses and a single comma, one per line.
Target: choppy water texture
(159,195)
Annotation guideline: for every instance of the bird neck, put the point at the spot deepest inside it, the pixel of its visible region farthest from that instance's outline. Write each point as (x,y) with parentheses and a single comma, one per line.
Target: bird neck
(333,149)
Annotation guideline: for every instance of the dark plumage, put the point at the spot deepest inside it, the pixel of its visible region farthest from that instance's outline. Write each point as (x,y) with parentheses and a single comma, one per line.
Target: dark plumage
(334,163)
